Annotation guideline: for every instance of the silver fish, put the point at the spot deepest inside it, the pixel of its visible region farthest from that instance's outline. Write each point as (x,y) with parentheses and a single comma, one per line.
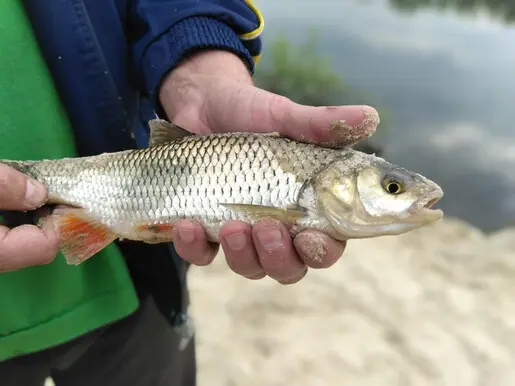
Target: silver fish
(141,194)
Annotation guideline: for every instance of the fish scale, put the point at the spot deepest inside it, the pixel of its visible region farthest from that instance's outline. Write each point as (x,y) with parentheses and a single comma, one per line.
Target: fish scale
(196,173)
(141,194)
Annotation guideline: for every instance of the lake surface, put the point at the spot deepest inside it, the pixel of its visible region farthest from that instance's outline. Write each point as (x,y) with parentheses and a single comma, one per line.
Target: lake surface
(448,79)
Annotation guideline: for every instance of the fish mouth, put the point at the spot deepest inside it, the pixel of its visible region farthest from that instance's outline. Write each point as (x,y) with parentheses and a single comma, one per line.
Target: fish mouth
(422,211)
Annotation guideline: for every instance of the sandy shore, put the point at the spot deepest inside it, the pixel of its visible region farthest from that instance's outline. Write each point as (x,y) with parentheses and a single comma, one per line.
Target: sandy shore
(429,308)
(432,307)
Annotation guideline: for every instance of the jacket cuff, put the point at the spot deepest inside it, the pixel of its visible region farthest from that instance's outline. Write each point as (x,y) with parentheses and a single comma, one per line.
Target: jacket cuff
(183,39)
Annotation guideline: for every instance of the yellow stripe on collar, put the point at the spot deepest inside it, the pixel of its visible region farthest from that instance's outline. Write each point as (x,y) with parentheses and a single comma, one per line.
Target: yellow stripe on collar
(261,23)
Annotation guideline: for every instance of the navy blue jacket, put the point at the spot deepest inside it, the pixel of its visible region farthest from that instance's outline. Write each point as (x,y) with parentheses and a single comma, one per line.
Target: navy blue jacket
(108,58)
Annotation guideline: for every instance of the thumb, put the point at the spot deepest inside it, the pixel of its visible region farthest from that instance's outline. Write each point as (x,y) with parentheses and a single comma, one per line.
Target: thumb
(248,108)
(19,192)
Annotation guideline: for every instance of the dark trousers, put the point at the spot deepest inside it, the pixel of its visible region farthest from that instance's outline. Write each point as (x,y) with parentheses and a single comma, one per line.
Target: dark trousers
(140,350)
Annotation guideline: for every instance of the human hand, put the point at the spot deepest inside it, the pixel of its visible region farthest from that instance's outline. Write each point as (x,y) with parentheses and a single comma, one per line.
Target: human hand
(213,92)
(25,245)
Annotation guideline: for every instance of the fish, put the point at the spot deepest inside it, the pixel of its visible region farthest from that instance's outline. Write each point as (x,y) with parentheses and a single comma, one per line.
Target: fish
(141,194)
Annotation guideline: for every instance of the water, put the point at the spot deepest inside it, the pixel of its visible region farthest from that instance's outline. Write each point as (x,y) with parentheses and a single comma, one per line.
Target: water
(447,77)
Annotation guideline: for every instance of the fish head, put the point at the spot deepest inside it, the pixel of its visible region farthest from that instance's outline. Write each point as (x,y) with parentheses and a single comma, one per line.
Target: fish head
(362,195)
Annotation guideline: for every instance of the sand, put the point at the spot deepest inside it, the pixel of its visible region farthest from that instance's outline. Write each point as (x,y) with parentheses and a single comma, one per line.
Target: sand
(432,307)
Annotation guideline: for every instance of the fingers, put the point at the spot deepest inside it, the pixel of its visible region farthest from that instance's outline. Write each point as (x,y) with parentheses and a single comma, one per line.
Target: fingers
(19,192)
(27,245)
(239,250)
(317,250)
(266,249)
(327,125)
(336,126)
(191,244)
(276,252)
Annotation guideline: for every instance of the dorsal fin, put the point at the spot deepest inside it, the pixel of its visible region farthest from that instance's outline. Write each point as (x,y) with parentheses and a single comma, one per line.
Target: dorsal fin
(162,131)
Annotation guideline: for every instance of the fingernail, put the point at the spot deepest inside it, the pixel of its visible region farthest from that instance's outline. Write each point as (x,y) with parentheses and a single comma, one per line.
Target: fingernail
(35,193)
(236,241)
(271,239)
(255,276)
(187,233)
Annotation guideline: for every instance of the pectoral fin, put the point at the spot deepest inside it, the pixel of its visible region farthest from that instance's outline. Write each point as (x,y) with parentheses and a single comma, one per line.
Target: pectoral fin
(80,236)
(162,131)
(259,212)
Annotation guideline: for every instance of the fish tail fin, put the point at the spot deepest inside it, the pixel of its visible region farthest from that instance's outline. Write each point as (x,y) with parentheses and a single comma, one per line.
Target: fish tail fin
(80,235)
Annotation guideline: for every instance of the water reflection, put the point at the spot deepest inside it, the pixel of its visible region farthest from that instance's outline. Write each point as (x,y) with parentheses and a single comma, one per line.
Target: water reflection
(448,80)
(504,9)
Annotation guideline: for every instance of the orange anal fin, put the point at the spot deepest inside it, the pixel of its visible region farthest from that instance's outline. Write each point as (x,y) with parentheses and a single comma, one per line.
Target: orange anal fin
(80,236)
(153,233)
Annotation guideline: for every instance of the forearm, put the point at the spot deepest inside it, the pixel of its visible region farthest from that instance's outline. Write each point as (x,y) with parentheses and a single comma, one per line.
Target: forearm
(173,31)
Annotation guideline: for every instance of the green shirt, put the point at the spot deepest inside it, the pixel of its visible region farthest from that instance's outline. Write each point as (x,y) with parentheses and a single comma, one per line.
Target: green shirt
(46,305)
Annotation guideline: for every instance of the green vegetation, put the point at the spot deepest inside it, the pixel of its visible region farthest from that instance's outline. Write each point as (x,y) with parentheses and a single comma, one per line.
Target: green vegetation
(302,74)
(297,72)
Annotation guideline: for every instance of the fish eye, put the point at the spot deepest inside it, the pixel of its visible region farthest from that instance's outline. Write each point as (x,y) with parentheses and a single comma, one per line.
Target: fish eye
(392,186)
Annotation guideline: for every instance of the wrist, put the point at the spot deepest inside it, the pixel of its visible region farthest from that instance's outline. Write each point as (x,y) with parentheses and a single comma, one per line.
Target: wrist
(213,62)
(186,37)
(188,83)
